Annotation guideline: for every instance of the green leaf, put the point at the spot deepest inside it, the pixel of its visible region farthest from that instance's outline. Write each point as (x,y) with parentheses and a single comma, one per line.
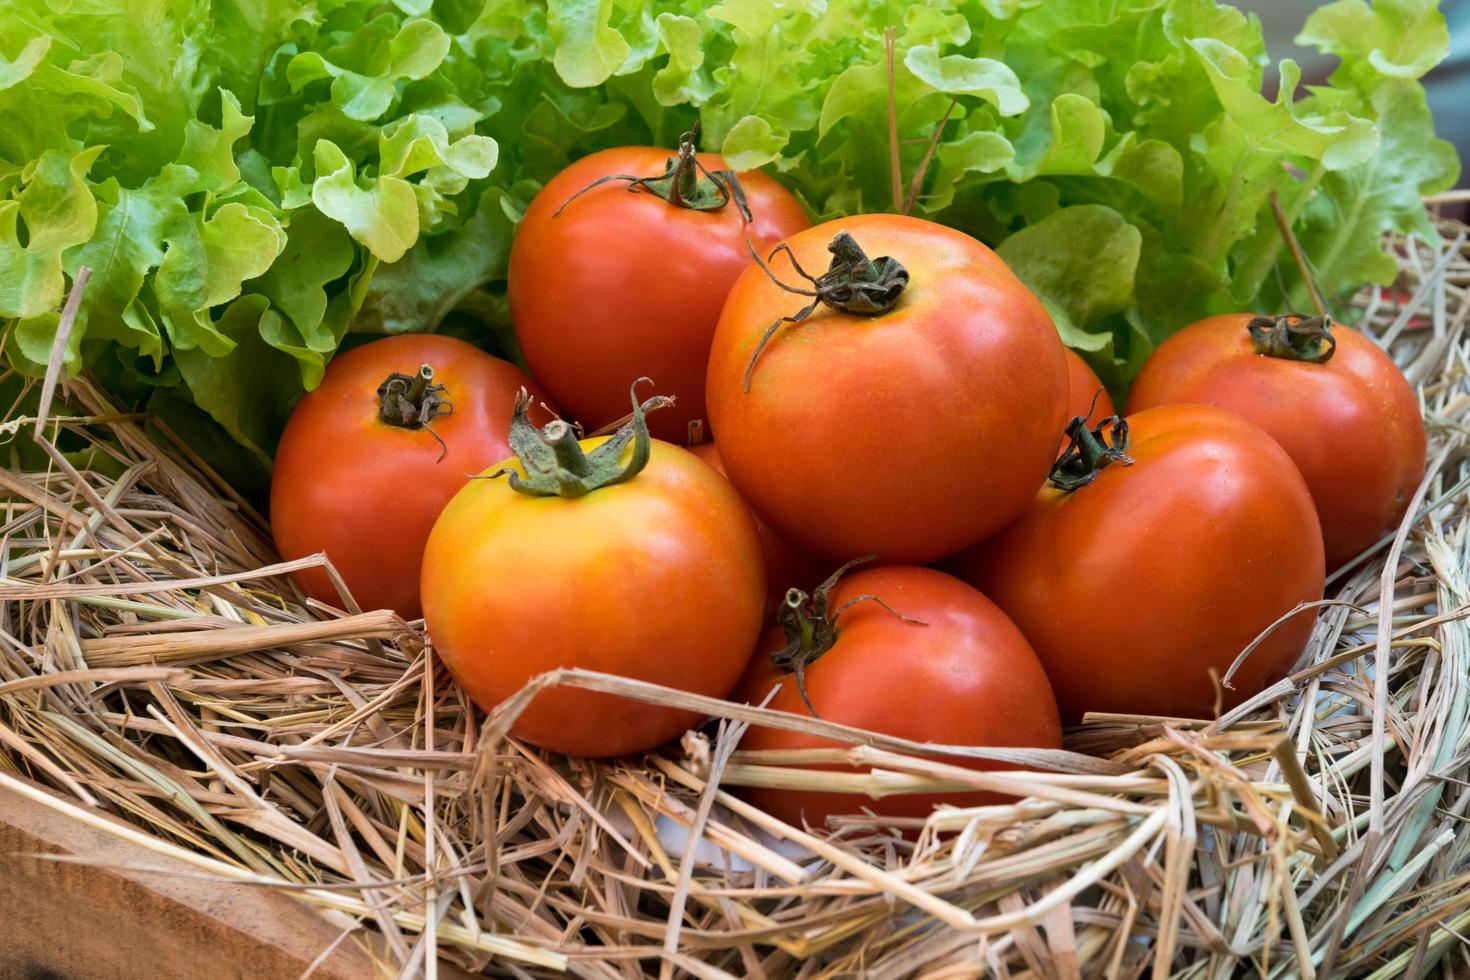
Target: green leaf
(1153,166)
(982,152)
(1078,129)
(204,266)
(682,78)
(1393,38)
(416,292)
(1083,259)
(18,70)
(956,74)
(249,390)
(1346,220)
(127,245)
(383,217)
(55,210)
(318,253)
(210,152)
(1245,149)
(362,93)
(588,51)
(420,142)
(1338,139)
(751,143)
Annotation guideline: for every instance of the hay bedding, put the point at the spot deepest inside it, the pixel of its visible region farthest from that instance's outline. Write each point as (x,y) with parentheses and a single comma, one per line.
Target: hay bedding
(155,666)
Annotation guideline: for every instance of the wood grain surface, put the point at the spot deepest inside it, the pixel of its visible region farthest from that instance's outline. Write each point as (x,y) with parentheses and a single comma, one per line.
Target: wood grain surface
(61,921)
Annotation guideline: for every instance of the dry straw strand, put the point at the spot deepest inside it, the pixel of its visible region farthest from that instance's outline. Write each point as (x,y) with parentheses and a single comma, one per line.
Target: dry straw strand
(160,680)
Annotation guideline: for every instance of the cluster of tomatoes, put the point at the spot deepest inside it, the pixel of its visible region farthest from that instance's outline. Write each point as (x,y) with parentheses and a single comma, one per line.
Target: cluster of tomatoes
(883,531)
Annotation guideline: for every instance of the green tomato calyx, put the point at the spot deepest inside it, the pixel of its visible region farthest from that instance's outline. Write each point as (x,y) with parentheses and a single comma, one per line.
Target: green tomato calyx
(685,183)
(811,626)
(1294,337)
(853,283)
(1091,450)
(554,461)
(414,401)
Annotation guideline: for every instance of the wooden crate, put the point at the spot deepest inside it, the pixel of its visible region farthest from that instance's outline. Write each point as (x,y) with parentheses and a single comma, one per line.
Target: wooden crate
(99,921)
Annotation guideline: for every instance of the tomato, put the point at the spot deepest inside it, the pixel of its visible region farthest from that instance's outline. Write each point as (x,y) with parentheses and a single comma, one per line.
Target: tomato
(366,490)
(940,664)
(913,418)
(652,573)
(1135,586)
(1351,423)
(786,565)
(1086,397)
(621,285)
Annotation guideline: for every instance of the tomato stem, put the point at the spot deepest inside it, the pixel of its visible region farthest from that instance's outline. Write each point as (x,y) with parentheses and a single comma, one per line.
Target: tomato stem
(552,459)
(685,183)
(811,629)
(853,283)
(414,402)
(1294,337)
(1090,452)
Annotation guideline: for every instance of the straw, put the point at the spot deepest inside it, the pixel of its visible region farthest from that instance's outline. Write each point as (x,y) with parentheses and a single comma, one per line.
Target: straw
(161,680)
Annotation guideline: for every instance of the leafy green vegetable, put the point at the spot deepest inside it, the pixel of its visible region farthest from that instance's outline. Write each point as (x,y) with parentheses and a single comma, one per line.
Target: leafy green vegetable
(255,183)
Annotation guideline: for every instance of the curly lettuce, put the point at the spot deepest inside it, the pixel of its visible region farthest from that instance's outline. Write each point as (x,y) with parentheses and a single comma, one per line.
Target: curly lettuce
(255,183)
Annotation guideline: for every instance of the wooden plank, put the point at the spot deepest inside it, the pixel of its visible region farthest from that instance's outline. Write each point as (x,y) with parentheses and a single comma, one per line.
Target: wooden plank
(59,921)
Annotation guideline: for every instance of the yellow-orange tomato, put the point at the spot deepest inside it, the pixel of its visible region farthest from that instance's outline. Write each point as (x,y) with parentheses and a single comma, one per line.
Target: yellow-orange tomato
(1135,586)
(658,578)
(958,673)
(909,433)
(366,490)
(1350,423)
(623,283)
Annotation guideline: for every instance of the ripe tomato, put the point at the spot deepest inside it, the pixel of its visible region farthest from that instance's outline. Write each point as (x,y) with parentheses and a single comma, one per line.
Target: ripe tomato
(651,573)
(365,485)
(910,428)
(1351,423)
(942,664)
(1133,587)
(1086,397)
(619,285)
(786,565)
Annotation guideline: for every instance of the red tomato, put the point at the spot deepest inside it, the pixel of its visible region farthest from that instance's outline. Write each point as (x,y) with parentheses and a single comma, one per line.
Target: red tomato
(622,285)
(1351,424)
(967,677)
(910,433)
(657,578)
(1086,396)
(786,565)
(366,491)
(1135,586)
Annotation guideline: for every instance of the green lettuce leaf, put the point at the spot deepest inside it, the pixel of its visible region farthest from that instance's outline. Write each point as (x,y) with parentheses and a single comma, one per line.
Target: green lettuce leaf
(254,182)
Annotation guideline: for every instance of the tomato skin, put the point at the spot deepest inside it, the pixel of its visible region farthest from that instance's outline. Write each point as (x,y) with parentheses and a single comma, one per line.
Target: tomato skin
(787,566)
(367,492)
(1083,385)
(1133,587)
(908,435)
(625,285)
(659,579)
(1351,425)
(967,678)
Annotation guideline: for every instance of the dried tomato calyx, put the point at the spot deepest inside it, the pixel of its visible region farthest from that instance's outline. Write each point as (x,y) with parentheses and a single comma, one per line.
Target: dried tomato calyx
(853,283)
(685,183)
(1294,337)
(810,626)
(1090,452)
(412,401)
